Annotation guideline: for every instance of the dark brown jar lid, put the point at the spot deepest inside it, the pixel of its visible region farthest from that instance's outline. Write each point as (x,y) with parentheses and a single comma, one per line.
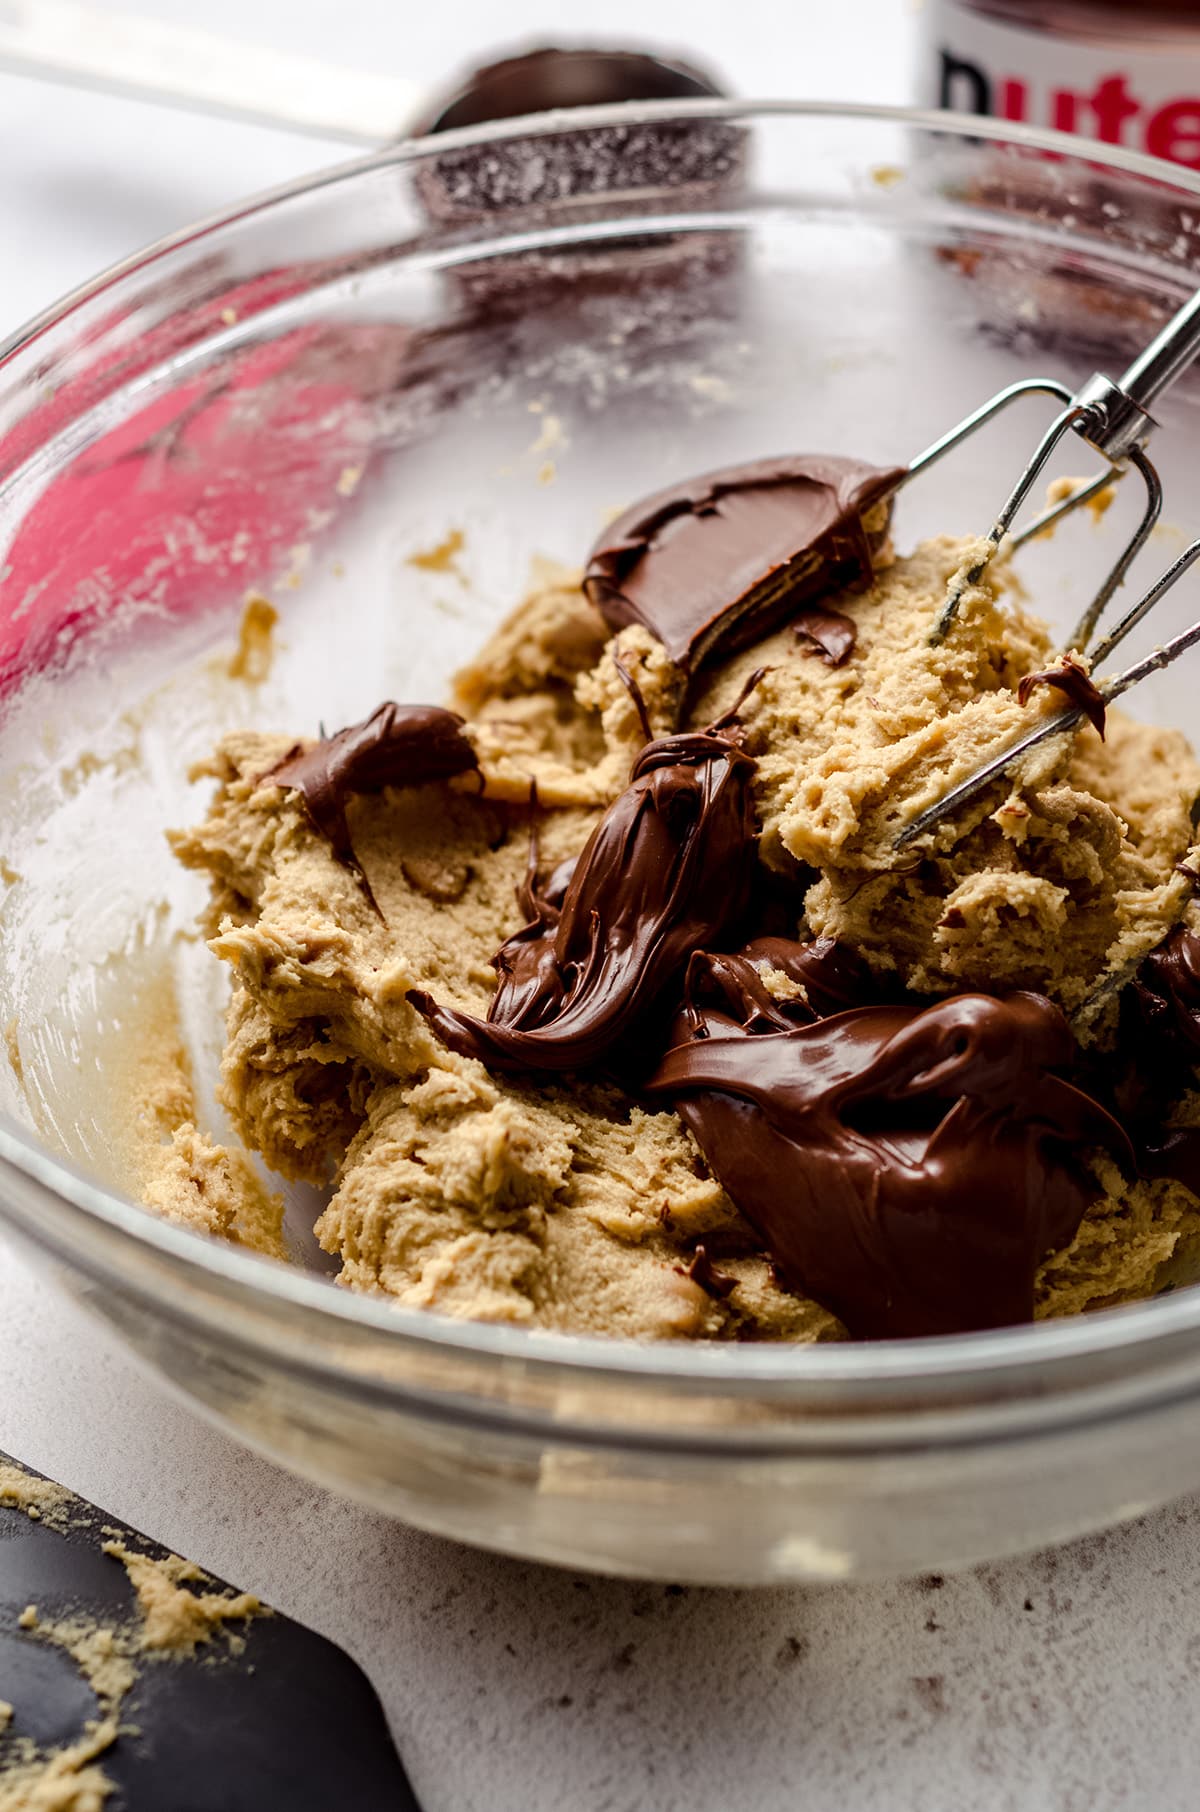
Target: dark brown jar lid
(699,160)
(538,81)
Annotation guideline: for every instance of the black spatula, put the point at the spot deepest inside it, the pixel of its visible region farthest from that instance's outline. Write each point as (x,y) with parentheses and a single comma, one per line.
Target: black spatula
(287,1722)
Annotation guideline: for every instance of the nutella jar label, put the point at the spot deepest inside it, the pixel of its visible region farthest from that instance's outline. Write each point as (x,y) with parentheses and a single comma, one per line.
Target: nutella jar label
(1144,98)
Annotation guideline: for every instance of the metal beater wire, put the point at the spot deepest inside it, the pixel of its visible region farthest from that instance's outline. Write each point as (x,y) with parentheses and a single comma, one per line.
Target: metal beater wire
(1070,716)
(1114,419)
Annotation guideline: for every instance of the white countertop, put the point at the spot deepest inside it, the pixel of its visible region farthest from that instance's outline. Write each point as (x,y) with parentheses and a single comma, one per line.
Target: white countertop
(1066,1682)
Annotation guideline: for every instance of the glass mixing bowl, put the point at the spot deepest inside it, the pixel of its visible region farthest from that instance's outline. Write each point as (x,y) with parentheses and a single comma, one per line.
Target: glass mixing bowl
(481,344)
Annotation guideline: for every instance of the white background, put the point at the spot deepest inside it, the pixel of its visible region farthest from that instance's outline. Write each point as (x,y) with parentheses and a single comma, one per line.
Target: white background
(1070,1680)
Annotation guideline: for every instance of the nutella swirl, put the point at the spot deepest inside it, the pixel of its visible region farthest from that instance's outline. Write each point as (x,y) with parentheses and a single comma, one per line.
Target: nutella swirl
(398,745)
(908,1166)
(1167,992)
(830,634)
(1076,684)
(721,559)
(668,869)
(1164,1034)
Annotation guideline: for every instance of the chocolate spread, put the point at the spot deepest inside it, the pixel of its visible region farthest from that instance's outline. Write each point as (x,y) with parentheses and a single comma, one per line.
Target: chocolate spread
(1164,1037)
(831,632)
(1077,685)
(668,869)
(723,557)
(398,745)
(909,1166)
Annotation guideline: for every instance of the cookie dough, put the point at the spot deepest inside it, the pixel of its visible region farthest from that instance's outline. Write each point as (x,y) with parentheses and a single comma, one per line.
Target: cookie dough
(1054,885)
(571,1201)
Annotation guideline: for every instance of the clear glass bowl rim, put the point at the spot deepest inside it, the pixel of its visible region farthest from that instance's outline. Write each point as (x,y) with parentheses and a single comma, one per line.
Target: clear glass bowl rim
(996,1355)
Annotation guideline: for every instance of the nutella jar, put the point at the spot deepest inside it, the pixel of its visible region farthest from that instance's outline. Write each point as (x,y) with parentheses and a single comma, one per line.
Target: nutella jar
(1122,73)
(1125,72)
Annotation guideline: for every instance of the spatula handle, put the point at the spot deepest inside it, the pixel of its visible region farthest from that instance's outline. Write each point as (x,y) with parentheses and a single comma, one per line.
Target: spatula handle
(121,53)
